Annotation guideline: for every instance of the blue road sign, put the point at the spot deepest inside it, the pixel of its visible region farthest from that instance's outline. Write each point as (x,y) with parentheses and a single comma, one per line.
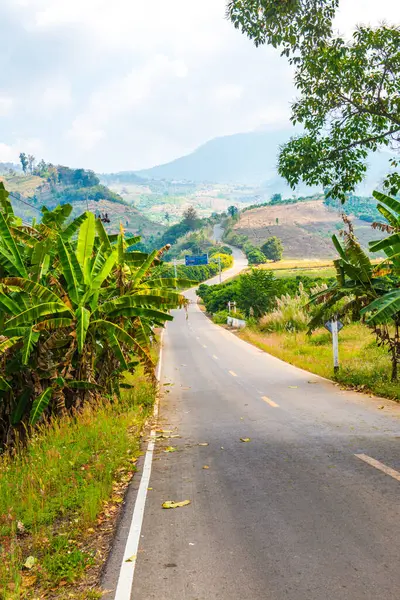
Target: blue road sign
(202,259)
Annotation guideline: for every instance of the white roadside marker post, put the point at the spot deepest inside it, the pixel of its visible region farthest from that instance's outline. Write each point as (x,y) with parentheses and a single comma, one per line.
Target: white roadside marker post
(335,345)
(334,326)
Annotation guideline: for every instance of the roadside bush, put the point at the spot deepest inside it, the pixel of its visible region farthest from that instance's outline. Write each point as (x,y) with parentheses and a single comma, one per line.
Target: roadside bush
(254,293)
(216,297)
(220,250)
(220,317)
(255,256)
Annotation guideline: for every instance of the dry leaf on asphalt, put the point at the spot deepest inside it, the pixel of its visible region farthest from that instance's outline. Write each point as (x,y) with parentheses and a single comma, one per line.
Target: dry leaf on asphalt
(206,467)
(293,387)
(245,439)
(172,504)
(381,407)
(203,444)
(170,449)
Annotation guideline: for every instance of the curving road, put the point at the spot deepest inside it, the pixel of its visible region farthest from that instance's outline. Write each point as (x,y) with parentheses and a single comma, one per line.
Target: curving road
(303,511)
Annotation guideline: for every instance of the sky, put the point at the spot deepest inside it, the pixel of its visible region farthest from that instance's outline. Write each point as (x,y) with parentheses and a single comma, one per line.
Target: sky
(129,84)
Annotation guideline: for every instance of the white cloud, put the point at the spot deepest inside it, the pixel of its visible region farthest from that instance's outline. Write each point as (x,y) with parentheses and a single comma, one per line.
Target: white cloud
(55,96)
(227,92)
(10,152)
(6,105)
(85,135)
(129,83)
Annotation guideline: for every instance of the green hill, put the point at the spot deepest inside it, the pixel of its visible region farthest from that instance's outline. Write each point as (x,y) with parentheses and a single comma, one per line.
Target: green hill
(80,188)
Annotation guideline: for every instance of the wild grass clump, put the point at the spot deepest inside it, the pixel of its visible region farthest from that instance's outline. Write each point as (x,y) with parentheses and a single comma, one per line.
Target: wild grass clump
(291,312)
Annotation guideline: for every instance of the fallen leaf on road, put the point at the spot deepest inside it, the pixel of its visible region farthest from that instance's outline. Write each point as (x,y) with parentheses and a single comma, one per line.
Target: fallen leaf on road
(293,387)
(30,561)
(172,504)
(203,444)
(313,382)
(381,407)
(131,558)
(245,439)
(206,467)
(170,449)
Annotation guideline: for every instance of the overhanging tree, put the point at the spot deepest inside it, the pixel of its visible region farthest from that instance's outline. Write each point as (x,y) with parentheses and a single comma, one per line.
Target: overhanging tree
(349,102)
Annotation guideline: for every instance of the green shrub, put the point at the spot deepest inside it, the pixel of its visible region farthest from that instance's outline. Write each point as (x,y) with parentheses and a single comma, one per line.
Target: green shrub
(220,317)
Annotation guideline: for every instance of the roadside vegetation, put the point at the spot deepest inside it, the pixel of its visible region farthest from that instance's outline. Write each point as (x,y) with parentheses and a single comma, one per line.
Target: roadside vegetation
(285,314)
(79,311)
(61,494)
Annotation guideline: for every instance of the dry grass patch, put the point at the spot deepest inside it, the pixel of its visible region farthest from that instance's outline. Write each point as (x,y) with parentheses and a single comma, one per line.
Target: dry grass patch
(364,366)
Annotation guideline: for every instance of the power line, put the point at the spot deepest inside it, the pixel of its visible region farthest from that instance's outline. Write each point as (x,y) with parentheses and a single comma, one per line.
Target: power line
(25,202)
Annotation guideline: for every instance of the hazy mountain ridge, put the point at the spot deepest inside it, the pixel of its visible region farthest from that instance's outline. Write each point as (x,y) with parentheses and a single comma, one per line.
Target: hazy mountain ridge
(250,158)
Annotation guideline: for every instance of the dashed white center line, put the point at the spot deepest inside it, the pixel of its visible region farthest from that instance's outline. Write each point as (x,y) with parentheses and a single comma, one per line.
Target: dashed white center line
(270,402)
(378,465)
(204,346)
(233,373)
(216,357)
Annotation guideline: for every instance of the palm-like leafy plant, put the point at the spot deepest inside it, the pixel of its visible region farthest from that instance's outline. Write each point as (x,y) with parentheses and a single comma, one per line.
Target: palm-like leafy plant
(371,292)
(77,309)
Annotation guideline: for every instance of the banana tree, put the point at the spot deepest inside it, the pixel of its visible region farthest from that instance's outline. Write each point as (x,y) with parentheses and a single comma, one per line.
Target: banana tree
(77,309)
(383,314)
(364,290)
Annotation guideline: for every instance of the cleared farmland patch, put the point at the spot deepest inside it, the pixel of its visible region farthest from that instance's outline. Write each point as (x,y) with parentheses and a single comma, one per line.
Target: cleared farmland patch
(305,228)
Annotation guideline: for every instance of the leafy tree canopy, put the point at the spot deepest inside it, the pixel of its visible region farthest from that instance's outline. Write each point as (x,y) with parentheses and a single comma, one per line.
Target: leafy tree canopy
(272,248)
(349,90)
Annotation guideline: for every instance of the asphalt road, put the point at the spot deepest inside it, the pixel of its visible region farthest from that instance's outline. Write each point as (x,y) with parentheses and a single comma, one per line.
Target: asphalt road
(293,514)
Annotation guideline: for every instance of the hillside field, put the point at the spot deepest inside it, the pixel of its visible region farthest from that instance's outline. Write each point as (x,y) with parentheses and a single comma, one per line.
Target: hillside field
(36,191)
(305,228)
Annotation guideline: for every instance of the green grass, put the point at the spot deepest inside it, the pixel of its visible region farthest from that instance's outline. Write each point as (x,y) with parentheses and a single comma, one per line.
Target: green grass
(363,365)
(52,493)
(323,272)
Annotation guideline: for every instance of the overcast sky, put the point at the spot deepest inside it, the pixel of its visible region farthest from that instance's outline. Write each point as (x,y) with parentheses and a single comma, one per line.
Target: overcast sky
(126,84)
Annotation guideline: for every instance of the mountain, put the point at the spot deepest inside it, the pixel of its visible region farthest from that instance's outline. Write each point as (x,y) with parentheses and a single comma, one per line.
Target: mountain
(239,158)
(250,158)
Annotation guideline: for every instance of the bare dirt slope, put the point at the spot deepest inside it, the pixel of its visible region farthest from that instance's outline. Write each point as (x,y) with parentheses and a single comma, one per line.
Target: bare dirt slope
(305,228)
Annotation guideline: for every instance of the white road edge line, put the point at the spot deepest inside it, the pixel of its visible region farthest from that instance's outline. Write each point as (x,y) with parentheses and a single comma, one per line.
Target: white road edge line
(127,571)
(378,465)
